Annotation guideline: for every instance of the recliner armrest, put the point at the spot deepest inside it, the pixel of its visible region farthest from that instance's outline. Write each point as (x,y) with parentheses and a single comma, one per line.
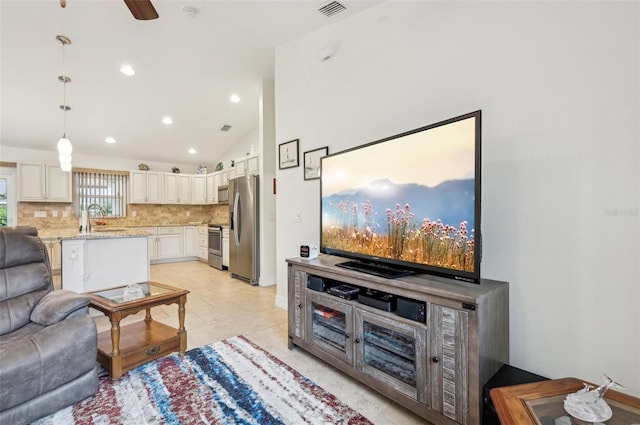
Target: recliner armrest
(57,306)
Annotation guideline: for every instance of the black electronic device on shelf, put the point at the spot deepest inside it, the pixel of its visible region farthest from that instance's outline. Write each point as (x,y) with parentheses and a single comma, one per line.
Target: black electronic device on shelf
(344,291)
(377,299)
(316,283)
(412,309)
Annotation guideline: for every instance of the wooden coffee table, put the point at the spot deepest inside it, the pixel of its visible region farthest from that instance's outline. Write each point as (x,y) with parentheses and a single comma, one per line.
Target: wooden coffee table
(124,348)
(542,402)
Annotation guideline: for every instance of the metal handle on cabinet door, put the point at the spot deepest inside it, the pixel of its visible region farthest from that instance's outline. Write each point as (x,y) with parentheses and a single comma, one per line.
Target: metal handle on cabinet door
(435,359)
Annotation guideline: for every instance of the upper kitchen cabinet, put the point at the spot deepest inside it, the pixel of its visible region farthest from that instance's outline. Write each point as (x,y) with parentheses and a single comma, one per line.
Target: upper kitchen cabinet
(43,183)
(212,189)
(199,194)
(248,165)
(145,187)
(225,176)
(177,188)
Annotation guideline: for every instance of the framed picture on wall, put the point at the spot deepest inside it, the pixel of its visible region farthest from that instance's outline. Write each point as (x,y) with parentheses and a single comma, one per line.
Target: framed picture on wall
(312,162)
(289,156)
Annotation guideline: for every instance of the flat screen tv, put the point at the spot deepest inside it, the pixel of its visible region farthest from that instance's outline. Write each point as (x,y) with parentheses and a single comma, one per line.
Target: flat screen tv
(407,204)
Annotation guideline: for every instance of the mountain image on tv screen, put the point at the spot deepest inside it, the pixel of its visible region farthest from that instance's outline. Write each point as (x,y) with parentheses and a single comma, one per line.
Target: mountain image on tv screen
(410,199)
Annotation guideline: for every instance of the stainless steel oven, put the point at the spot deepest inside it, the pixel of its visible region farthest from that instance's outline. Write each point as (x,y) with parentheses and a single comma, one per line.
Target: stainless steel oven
(215,246)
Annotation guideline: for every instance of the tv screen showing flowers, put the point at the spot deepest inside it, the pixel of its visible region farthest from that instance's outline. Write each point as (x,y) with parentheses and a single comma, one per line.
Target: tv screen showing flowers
(410,201)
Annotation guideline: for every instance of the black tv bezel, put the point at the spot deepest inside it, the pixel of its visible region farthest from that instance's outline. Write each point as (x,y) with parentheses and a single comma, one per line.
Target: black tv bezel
(459,275)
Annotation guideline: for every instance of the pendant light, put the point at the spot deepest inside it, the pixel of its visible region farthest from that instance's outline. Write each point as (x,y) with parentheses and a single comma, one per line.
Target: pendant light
(64,145)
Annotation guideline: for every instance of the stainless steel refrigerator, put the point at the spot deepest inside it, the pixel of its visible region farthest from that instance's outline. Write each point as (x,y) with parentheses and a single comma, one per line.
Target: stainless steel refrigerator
(244,258)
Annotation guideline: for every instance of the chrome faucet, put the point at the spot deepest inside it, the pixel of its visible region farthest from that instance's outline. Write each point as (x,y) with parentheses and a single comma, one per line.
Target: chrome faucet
(102,213)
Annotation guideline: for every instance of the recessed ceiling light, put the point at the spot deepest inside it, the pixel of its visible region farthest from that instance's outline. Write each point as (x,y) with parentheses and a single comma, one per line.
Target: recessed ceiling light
(127,70)
(234,98)
(192,151)
(167,120)
(110,140)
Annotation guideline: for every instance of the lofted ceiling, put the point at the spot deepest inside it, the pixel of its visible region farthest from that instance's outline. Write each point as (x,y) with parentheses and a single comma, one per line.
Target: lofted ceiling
(187,67)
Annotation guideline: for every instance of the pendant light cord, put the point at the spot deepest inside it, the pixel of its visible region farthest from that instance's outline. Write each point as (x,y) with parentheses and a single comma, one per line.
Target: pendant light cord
(64,93)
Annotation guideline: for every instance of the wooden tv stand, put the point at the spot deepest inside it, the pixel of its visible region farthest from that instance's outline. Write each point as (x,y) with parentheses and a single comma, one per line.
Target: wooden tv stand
(435,364)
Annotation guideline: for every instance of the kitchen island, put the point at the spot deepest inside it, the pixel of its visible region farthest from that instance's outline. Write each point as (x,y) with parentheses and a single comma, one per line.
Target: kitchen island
(104,259)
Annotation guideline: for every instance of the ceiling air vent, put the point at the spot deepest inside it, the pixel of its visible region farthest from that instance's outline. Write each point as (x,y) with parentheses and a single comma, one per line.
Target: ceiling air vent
(225,127)
(331,8)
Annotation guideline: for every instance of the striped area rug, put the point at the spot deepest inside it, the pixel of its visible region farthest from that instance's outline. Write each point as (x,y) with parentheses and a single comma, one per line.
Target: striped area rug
(233,381)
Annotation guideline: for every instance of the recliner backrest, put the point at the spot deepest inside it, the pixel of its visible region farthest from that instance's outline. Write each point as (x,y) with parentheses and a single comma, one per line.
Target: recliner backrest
(25,275)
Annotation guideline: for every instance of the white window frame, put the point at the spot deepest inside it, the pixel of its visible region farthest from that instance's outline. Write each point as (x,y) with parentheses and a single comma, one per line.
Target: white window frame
(9,174)
(98,191)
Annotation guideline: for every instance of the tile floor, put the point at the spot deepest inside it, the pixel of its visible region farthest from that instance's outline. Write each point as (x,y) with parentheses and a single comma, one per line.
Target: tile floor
(219,307)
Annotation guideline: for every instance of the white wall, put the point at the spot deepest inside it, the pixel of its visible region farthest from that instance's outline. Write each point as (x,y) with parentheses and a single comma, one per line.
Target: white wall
(240,148)
(559,87)
(267,175)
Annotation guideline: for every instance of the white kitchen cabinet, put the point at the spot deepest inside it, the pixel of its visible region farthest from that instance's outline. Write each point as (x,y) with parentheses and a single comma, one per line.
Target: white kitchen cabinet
(152,241)
(184,193)
(177,188)
(253,165)
(199,189)
(191,241)
(249,165)
(170,242)
(241,167)
(145,187)
(225,176)
(54,249)
(39,182)
(171,188)
(212,189)
(203,243)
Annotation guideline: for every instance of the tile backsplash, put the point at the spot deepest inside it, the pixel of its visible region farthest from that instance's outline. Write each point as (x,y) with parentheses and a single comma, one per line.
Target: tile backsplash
(48,215)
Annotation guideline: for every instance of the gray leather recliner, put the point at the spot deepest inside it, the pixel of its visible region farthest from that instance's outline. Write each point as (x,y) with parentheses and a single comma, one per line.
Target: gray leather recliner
(48,341)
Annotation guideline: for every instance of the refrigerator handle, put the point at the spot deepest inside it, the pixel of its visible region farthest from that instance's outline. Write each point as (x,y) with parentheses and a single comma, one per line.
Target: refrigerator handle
(232,218)
(236,216)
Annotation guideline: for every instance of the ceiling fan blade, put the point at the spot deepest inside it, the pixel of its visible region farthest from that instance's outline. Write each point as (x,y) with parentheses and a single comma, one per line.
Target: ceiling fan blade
(142,9)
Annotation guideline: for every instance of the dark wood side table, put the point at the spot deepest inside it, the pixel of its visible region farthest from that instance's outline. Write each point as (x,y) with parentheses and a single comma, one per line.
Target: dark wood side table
(538,402)
(124,348)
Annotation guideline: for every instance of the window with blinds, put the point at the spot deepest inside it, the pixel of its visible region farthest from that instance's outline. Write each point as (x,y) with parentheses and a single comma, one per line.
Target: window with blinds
(106,188)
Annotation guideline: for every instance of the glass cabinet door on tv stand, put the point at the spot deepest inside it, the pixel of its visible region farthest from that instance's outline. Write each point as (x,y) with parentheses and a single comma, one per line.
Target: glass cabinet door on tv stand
(392,352)
(330,325)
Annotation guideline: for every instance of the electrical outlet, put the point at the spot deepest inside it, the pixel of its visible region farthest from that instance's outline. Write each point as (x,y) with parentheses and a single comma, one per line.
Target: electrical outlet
(298,216)
(188,213)
(40,214)
(54,213)
(133,213)
(65,213)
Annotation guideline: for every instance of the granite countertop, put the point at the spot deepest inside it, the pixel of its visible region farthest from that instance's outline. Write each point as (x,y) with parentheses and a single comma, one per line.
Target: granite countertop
(59,234)
(106,232)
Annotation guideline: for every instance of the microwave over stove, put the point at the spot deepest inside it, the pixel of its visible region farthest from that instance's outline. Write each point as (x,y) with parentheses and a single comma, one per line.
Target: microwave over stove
(223,194)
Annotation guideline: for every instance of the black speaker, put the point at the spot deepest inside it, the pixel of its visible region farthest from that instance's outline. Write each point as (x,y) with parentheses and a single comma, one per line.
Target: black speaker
(505,376)
(412,309)
(316,283)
